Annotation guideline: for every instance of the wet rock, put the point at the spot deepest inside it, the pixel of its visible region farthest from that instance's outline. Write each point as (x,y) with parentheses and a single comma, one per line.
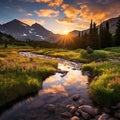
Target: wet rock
(89,109)
(81,102)
(75,118)
(77,113)
(85,115)
(104,116)
(51,107)
(66,115)
(62,71)
(117,115)
(76,97)
(72,109)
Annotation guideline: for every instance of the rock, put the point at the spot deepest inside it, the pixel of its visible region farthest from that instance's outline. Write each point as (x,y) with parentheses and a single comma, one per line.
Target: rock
(77,113)
(81,102)
(118,105)
(66,115)
(85,115)
(117,115)
(89,109)
(76,97)
(62,71)
(51,107)
(107,110)
(104,116)
(72,109)
(75,118)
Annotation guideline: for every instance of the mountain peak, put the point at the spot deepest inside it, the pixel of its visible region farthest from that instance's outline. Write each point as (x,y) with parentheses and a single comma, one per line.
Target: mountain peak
(35,24)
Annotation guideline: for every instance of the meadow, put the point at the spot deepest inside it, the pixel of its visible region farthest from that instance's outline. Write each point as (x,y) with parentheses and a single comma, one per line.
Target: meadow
(104,87)
(20,76)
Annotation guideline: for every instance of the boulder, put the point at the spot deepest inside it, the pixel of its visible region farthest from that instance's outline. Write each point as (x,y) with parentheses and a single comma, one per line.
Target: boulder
(85,115)
(76,97)
(104,116)
(89,109)
(81,102)
(51,107)
(66,115)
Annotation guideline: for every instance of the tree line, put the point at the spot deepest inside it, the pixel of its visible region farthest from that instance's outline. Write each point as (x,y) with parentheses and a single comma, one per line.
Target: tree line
(98,38)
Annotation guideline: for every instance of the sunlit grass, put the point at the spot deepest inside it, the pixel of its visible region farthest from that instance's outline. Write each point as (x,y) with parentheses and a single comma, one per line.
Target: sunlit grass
(106,89)
(20,76)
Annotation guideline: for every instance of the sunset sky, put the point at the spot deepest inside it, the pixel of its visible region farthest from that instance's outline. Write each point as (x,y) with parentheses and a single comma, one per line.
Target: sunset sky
(59,16)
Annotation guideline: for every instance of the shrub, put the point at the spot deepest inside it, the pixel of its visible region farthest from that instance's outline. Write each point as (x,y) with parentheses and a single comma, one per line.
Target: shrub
(98,55)
(84,54)
(89,50)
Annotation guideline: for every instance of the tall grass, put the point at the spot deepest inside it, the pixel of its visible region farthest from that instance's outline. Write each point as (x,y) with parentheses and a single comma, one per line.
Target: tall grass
(106,89)
(20,76)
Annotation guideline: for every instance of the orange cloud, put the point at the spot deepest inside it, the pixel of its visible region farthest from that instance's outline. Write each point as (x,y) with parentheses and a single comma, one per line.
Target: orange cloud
(70,11)
(47,13)
(99,13)
(65,20)
(31,21)
(51,3)
(55,3)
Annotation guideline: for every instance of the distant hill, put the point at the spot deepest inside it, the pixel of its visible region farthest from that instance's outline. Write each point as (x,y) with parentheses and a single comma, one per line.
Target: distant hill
(112,25)
(22,31)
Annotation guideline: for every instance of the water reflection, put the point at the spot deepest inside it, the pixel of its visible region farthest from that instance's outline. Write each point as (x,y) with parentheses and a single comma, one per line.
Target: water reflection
(57,89)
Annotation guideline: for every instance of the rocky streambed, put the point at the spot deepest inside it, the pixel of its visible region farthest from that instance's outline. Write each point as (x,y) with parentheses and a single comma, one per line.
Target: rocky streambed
(64,96)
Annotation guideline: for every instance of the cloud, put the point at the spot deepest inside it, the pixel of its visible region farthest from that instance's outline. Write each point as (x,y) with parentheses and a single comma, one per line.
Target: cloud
(55,3)
(21,10)
(51,3)
(65,20)
(70,11)
(47,13)
(29,14)
(100,11)
(31,21)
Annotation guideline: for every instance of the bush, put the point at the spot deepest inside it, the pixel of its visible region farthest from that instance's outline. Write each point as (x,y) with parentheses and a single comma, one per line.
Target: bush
(89,50)
(84,54)
(98,55)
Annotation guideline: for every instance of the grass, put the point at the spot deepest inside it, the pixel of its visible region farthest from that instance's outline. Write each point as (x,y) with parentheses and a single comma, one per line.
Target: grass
(105,91)
(20,76)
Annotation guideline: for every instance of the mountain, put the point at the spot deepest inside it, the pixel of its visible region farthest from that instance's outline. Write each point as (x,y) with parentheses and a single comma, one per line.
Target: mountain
(112,27)
(22,31)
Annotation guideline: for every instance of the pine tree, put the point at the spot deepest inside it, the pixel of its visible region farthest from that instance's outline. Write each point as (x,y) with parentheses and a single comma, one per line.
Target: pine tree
(93,36)
(117,34)
(105,36)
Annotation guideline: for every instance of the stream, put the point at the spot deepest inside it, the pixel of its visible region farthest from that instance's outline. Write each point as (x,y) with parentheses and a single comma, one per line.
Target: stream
(57,89)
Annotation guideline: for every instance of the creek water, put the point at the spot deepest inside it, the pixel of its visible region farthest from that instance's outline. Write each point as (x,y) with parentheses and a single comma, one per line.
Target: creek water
(57,89)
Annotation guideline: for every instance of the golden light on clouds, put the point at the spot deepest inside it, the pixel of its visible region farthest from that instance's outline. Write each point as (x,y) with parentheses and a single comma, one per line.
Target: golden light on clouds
(31,21)
(70,11)
(47,13)
(65,20)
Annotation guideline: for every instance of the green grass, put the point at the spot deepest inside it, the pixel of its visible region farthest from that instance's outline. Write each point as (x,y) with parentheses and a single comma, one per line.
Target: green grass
(105,91)
(20,76)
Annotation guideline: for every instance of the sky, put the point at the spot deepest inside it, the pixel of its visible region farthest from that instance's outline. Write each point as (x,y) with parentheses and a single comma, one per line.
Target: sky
(59,16)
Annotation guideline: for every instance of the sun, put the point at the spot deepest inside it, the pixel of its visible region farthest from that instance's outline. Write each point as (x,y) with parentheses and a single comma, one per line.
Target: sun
(65,32)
